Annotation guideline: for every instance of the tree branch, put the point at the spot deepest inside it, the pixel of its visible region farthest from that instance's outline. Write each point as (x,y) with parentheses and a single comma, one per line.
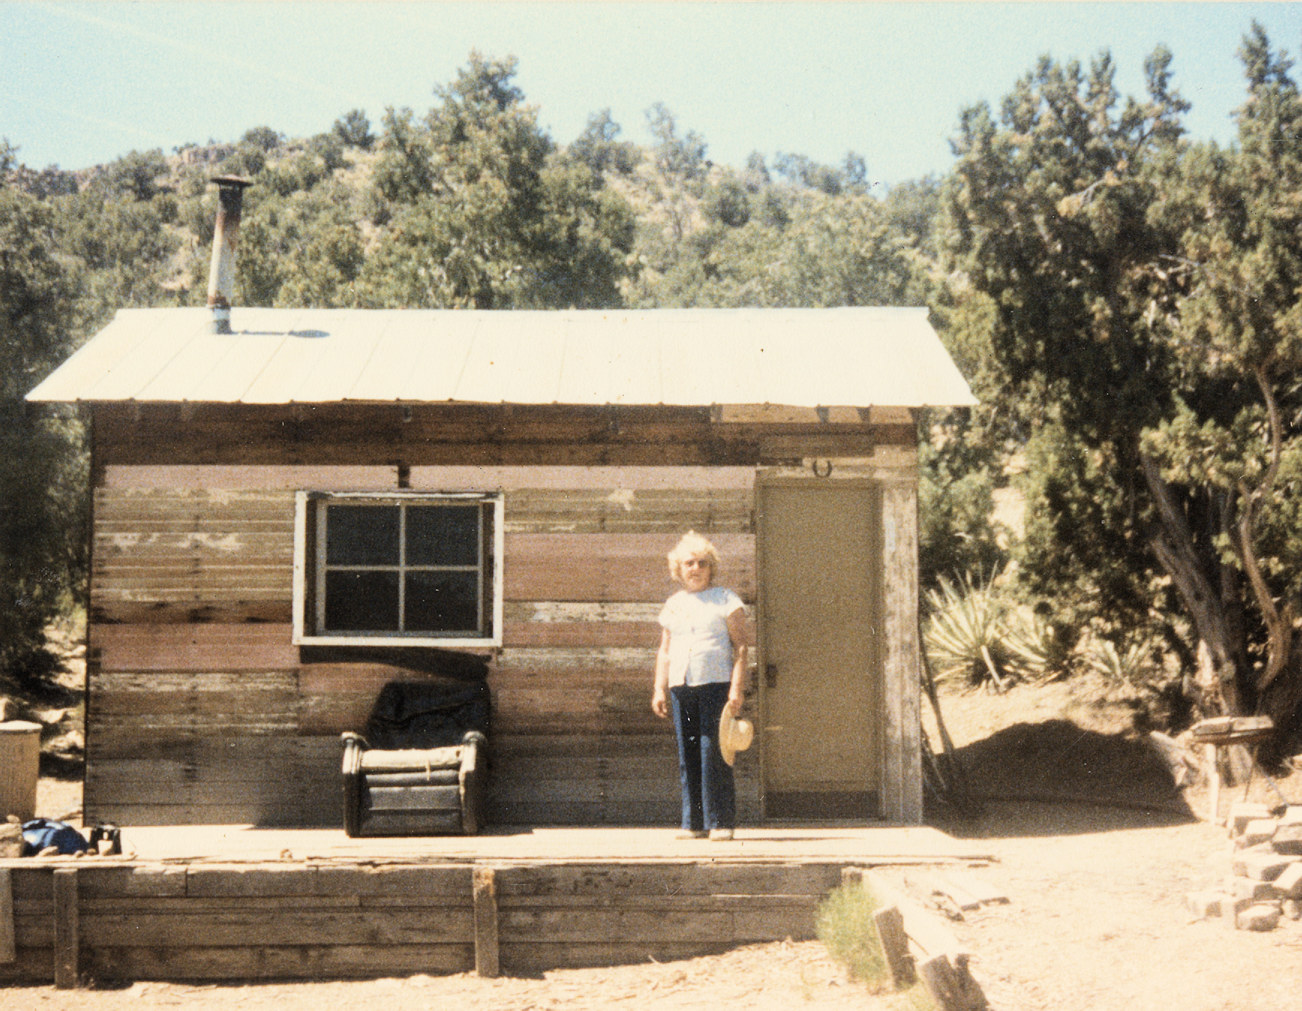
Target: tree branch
(1279,624)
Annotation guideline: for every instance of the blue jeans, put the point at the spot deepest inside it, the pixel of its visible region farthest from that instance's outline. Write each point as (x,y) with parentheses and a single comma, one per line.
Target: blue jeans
(709,796)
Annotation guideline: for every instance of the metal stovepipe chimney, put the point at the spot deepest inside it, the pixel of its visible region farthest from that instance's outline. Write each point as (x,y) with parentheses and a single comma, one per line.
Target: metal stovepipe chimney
(226,235)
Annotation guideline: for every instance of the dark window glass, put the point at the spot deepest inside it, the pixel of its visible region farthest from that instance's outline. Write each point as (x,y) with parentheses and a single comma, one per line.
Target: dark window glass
(411,568)
(361,601)
(362,535)
(442,535)
(442,601)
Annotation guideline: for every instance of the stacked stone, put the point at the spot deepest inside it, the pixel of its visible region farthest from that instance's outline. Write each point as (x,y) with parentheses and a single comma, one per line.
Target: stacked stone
(1267,881)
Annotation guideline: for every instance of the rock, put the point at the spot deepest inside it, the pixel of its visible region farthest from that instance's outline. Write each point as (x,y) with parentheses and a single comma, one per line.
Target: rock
(1291,815)
(11,839)
(1289,881)
(1293,909)
(1261,865)
(1258,831)
(1244,811)
(1246,891)
(1207,905)
(1287,839)
(1259,917)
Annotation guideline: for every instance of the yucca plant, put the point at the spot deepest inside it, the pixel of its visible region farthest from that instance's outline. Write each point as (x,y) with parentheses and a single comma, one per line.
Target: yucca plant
(1035,651)
(965,636)
(1120,666)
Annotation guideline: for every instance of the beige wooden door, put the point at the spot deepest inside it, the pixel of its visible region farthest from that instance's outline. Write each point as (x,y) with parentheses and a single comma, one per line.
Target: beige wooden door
(820,659)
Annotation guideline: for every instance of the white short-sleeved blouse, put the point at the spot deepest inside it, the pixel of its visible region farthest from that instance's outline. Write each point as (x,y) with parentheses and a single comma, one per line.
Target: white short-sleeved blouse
(700,649)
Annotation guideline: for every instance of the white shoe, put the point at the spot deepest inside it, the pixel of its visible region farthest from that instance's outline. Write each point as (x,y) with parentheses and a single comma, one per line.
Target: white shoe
(692,833)
(720,834)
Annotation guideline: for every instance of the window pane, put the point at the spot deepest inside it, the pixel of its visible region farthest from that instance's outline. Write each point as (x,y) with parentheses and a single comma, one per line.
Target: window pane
(442,602)
(362,535)
(361,601)
(443,535)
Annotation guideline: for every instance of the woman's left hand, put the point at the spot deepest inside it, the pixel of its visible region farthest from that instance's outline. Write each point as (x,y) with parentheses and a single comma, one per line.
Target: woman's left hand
(734,703)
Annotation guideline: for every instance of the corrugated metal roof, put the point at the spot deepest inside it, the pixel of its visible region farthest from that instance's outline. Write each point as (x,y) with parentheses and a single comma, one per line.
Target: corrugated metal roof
(683,357)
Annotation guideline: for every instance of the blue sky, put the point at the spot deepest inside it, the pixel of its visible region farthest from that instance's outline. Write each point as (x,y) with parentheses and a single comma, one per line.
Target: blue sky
(82,83)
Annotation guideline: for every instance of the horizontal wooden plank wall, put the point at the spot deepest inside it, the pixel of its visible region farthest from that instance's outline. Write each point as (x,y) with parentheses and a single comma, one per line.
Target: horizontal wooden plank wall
(294,920)
(201,710)
(586,915)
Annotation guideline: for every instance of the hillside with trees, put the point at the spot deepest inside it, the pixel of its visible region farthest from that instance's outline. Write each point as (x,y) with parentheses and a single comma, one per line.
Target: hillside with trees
(1122,298)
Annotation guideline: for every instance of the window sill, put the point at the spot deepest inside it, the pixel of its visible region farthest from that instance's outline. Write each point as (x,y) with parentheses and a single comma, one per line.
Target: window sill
(455,642)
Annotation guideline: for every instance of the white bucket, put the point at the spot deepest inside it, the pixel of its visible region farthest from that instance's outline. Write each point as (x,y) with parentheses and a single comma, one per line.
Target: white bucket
(20,761)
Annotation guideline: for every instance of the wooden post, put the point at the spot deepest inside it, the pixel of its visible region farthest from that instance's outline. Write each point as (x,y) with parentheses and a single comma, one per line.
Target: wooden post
(66,929)
(938,975)
(894,942)
(486,951)
(901,705)
(8,949)
(1213,785)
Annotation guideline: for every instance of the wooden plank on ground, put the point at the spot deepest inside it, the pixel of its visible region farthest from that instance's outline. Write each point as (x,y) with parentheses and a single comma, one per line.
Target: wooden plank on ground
(981,891)
(947,888)
(925,929)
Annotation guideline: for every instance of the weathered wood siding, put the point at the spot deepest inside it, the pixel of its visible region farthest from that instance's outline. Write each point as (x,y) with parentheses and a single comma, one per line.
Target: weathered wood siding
(201,710)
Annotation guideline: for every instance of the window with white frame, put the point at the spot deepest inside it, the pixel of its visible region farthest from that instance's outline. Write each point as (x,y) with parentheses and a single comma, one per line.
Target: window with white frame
(411,569)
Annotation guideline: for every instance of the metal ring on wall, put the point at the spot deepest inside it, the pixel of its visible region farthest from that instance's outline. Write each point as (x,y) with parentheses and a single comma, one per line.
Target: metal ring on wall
(818,473)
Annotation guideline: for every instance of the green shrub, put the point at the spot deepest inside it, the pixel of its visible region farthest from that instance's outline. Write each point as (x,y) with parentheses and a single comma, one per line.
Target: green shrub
(845,926)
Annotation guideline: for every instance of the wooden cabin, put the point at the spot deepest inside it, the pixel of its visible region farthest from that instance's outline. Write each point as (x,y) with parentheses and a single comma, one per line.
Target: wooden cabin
(245,609)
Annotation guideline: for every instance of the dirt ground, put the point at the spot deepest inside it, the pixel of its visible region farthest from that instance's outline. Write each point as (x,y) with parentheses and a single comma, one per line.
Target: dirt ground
(1094,849)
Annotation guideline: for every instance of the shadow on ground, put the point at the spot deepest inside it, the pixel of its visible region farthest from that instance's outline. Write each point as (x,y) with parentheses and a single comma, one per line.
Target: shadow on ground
(1093,781)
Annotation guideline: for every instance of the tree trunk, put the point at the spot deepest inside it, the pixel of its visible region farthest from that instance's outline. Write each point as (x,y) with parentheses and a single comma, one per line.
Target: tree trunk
(1221,659)
(1281,700)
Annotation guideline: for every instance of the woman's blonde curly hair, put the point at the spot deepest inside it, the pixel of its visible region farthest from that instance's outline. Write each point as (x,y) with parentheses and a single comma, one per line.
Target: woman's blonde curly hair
(693,545)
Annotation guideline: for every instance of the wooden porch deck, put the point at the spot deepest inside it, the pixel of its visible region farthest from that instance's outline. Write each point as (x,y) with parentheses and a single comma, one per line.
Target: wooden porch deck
(226,902)
(855,843)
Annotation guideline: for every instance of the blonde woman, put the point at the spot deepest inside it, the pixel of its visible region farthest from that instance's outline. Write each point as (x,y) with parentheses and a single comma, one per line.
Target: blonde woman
(701,671)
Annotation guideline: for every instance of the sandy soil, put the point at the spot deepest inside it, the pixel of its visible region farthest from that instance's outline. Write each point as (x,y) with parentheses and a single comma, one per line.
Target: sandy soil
(1095,851)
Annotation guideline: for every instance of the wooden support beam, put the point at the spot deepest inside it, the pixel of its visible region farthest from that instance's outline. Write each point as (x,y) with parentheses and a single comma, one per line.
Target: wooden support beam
(487,961)
(66,929)
(8,950)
